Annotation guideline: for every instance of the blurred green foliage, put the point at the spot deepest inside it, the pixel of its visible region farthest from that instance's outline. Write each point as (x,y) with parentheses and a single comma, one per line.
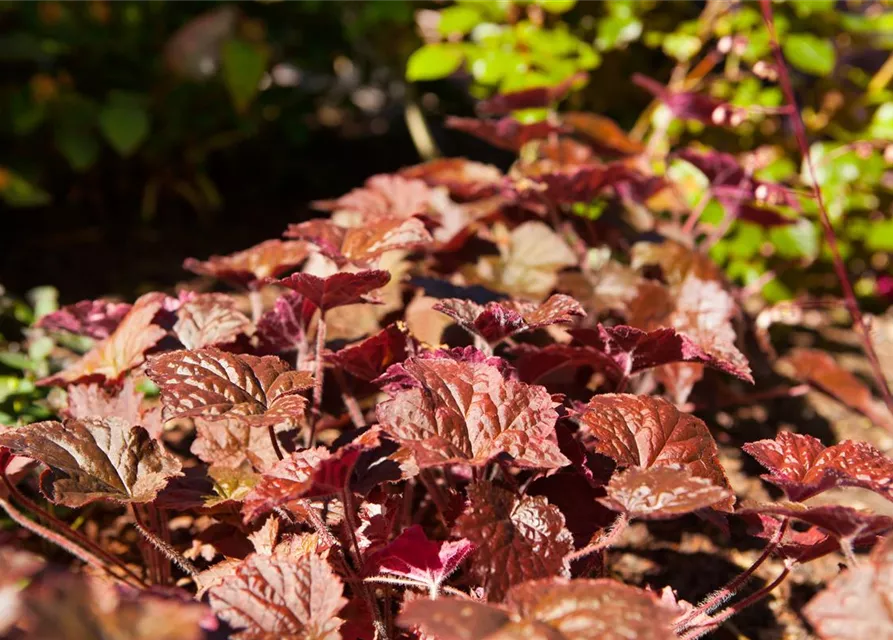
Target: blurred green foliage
(840,56)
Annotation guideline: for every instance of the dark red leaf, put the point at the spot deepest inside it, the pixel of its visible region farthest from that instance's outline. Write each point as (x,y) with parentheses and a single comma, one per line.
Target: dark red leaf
(585,183)
(284,326)
(496,321)
(413,556)
(532,98)
(213,383)
(94,459)
(454,411)
(689,105)
(659,492)
(362,245)
(338,289)
(94,318)
(505,133)
(249,268)
(841,522)
(517,538)
(269,597)
(602,132)
(802,466)
(369,359)
(643,431)
(122,351)
(553,609)
(856,605)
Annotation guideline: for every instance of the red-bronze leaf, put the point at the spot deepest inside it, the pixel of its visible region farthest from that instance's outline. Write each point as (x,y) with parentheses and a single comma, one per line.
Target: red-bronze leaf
(822,371)
(92,401)
(505,133)
(554,609)
(857,604)
(602,132)
(370,358)
(249,268)
(94,459)
(689,105)
(208,320)
(802,466)
(337,290)
(454,411)
(665,491)
(123,350)
(94,318)
(413,556)
(496,321)
(517,538)
(383,196)
(533,98)
(841,522)
(211,383)
(362,245)
(643,431)
(270,597)
(465,179)
(284,326)
(230,443)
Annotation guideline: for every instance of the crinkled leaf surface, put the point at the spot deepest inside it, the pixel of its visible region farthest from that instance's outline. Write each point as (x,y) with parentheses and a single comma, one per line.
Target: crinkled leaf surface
(210,382)
(516,538)
(802,466)
(383,196)
(412,555)
(858,604)
(338,289)
(253,265)
(553,609)
(123,350)
(230,442)
(92,401)
(269,597)
(208,320)
(498,320)
(370,358)
(455,411)
(362,244)
(464,178)
(285,325)
(285,482)
(664,491)
(645,431)
(94,318)
(94,459)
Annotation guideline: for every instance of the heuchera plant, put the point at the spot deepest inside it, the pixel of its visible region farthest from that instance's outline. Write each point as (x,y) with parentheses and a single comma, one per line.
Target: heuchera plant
(444,412)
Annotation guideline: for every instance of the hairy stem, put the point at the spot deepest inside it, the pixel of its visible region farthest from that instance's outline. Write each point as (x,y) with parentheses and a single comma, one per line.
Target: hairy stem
(65,530)
(317,380)
(160,525)
(150,552)
(611,536)
(61,541)
(160,545)
(852,303)
(714,622)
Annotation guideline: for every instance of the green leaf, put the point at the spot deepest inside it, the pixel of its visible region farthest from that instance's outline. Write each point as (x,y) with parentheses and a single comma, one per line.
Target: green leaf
(434,61)
(880,236)
(79,146)
(16,191)
(557,6)
(615,31)
(243,65)
(800,240)
(809,53)
(882,123)
(459,19)
(492,66)
(124,122)
(681,46)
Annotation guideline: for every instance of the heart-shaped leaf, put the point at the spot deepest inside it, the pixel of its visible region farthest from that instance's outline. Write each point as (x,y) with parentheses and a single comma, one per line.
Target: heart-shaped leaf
(94,318)
(338,289)
(208,320)
(454,411)
(250,267)
(94,459)
(363,244)
(384,196)
(212,383)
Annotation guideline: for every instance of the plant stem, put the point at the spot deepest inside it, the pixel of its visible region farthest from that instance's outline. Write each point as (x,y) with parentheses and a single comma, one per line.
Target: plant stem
(718,619)
(61,541)
(350,402)
(351,526)
(161,527)
(64,529)
(271,429)
(317,379)
(160,545)
(609,538)
(852,303)
(150,553)
(440,501)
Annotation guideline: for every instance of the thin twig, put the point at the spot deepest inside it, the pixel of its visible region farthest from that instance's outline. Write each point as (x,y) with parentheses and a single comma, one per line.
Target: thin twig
(351,526)
(317,380)
(172,554)
(830,237)
(271,429)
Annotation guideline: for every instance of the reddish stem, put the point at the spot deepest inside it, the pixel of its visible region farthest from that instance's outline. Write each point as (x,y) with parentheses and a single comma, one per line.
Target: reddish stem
(150,552)
(317,380)
(271,429)
(611,536)
(349,400)
(852,303)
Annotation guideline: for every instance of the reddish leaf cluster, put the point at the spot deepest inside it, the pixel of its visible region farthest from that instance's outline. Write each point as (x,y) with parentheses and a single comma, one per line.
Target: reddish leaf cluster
(446,413)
